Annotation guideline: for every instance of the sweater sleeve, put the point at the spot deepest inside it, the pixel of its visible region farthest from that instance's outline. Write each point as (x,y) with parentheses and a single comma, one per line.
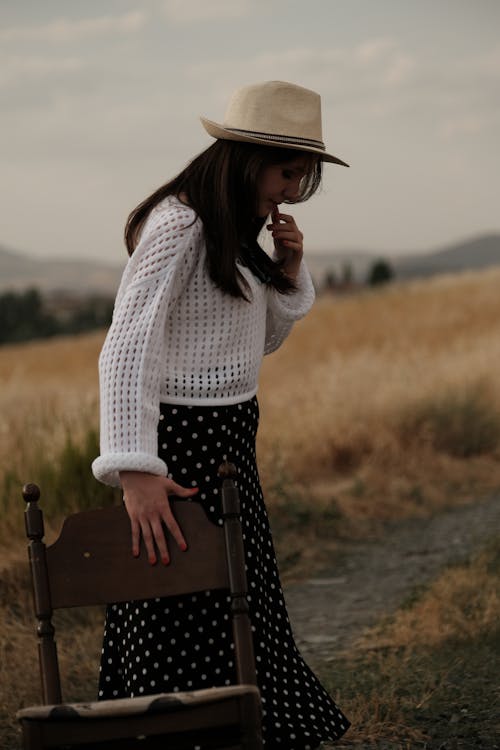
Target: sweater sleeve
(131,361)
(284,309)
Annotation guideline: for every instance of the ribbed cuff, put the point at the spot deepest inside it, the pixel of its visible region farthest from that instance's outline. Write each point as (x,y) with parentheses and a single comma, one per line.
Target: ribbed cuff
(106,468)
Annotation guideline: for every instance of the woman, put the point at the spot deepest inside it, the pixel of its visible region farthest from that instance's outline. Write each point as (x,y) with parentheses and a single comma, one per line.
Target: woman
(199,305)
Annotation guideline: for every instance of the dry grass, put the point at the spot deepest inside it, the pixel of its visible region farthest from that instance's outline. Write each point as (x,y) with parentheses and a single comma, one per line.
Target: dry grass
(380,405)
(359,407)
(462,603)
(79,637)
(48,388)
(429,671)
(356,403)
(48,396)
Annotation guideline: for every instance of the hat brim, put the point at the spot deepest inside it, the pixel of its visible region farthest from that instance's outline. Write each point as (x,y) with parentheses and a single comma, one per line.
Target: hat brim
(219,131)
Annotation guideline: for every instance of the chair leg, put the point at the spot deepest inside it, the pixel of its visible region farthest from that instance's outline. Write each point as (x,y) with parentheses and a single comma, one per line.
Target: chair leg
(32,739)
(252,723)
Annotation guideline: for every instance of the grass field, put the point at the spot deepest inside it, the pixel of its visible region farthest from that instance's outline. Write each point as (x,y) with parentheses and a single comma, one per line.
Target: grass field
(381,405)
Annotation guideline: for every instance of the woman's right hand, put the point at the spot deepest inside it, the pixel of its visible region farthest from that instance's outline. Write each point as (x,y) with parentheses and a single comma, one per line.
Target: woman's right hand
(146,500)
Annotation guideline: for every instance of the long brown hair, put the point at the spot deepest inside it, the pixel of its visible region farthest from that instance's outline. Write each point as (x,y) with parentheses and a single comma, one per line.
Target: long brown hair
(220,184)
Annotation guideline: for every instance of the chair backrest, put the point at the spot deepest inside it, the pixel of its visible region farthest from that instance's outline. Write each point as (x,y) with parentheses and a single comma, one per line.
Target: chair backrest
(91,562)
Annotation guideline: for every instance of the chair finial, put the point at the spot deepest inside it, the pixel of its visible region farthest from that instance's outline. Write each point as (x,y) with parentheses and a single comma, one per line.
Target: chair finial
(227,471)
(31,493)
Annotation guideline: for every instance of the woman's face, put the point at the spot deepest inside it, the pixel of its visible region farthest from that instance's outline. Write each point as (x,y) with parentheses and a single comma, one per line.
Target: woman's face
(280,182)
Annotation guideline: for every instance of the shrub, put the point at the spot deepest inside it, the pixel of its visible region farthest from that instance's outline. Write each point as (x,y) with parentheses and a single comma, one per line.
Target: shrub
(380,273)
(461,424)
(24,318)
(66,482)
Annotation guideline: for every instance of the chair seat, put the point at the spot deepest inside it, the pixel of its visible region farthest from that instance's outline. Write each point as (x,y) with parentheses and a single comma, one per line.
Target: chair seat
(148,704)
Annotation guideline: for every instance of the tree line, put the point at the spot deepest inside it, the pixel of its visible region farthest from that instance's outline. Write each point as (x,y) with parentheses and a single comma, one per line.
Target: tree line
(27,315)
(380,272)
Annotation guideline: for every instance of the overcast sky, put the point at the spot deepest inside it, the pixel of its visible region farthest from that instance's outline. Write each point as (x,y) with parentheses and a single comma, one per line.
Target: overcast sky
(100,103)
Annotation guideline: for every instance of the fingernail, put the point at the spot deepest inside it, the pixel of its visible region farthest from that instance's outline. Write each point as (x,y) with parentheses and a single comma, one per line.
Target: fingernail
(184,546)
(165,560)
(152,560)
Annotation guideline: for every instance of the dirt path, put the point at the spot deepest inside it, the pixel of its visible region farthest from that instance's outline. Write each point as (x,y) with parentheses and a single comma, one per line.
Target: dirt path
(373,578)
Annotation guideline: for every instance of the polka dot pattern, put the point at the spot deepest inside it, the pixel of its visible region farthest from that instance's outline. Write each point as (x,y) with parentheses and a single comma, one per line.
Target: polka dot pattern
(185,642)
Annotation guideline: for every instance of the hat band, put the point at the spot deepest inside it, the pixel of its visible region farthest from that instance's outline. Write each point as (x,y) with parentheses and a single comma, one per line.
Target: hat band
(279,138)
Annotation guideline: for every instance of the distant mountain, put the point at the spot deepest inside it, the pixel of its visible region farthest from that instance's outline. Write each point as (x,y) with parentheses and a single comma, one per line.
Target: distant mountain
(19,271)
(478,252)
(85,277)
(475,253)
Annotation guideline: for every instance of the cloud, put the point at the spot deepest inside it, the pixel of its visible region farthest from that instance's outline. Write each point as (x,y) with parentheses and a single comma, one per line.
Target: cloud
(192,11)
(63,30)
(489,62)
(381,60)
(373,50)
(370,72)
(466,124)
(379,79)
(15,68)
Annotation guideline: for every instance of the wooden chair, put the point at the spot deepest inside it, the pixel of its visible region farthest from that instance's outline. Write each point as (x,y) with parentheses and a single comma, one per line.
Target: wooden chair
(91,563)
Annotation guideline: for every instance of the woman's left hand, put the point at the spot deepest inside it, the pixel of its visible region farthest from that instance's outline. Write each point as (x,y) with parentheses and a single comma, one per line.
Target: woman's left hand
(287,242)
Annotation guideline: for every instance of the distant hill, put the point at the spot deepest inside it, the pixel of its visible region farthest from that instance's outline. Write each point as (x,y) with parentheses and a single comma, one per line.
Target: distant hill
(475,253)
(478,252)
(19,271)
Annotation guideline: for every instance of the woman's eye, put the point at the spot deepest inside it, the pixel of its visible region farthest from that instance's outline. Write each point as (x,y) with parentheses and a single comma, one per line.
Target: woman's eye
(287,175)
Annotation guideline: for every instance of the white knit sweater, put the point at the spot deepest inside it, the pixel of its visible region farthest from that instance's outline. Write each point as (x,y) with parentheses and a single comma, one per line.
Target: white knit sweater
(177,338)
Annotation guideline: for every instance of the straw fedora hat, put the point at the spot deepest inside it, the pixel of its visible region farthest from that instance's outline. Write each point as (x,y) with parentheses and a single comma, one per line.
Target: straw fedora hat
(274,113)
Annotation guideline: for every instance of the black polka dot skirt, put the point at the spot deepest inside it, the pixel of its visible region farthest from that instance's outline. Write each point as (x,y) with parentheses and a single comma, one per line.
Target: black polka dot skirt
(184,643)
